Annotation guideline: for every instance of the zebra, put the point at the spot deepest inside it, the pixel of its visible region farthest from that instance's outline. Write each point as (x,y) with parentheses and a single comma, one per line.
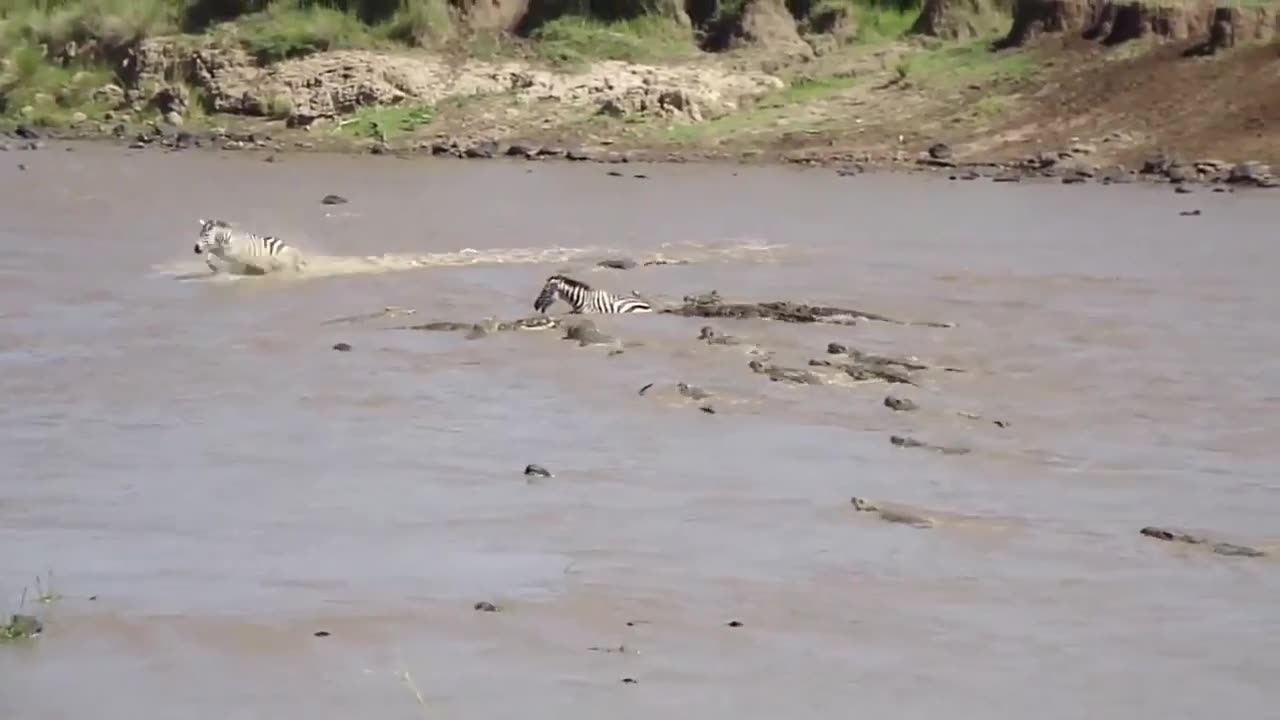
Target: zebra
(241,251)
(584,299)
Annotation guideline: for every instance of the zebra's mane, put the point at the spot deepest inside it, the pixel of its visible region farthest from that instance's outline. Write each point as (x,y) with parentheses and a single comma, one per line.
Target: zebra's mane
(566,280)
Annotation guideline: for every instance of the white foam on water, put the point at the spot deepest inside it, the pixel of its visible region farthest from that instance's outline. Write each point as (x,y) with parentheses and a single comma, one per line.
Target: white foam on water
(334,265)
(320,265)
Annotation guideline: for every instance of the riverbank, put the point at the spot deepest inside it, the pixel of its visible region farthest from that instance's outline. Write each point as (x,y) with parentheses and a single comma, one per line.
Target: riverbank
(972,92)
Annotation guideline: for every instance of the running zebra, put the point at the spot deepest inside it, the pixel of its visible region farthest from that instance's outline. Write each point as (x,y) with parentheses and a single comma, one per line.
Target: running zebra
(583,299)
(244,252)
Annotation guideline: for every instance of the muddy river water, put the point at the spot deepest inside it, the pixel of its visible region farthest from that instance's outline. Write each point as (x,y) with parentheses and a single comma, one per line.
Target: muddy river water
(188,451)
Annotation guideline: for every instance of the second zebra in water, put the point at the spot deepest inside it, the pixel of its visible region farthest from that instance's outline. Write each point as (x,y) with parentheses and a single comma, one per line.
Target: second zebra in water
(245,253)
(582,298)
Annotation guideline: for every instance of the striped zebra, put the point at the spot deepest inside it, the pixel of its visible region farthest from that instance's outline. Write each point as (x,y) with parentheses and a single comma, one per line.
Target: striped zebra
(244,252)
(584,299)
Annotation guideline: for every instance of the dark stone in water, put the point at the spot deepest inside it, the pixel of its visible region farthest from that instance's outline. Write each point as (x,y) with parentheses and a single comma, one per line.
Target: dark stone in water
(333,200)
(1182,189)
(321,633)
(1189,213)
(342,347)
(708,409)
(485,606)
(836,348)
(630,681)
(734,623)
(614,173)
(25,133)
(537,470)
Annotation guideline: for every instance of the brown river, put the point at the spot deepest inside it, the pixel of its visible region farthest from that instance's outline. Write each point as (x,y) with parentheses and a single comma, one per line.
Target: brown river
(205,484)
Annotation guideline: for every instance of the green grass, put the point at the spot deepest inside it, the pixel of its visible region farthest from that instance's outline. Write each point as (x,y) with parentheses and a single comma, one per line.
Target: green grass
(573,40)
(967,63)
(42,93)
(386,123)
(286,31)
(878,23)
(769,111)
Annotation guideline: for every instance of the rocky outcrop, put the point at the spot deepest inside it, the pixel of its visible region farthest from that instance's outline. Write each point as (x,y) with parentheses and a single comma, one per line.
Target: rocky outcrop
(331,84)
(1109,22)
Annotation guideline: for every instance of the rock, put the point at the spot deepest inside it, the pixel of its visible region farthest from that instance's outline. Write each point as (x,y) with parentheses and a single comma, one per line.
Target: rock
(342,347)
(1182,189)
(836,348)
(173,119)
(24,132)
(333,200)
(940,151)
(617,264)
(485,606)
(1182,173)
(485,149)
(524,150)
(1249,173)
(537,470)
(78,118)
(900,404)
(326,85)
(1189,213)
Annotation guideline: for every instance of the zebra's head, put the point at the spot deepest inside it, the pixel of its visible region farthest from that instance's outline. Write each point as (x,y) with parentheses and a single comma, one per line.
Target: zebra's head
(213,233)
(555,285)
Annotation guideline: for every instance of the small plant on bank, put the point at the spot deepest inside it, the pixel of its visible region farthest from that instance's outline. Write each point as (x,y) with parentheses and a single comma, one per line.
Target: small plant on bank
(385,123)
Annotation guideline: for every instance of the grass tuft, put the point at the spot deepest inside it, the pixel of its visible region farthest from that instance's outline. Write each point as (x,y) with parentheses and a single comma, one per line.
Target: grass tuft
(386,123)
(573,40)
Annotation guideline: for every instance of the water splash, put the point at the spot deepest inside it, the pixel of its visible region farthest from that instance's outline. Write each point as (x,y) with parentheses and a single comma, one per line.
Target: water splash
(336,265)
(319,265)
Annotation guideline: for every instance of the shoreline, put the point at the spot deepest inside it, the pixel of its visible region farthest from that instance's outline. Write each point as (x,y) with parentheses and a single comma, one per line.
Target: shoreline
(1216,176)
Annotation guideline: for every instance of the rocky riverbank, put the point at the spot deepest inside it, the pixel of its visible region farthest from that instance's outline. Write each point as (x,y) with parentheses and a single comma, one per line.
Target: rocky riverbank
(1069,91)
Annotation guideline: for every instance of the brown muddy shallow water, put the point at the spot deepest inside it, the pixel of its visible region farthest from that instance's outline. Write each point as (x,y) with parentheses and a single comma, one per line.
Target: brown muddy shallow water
(189,450)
